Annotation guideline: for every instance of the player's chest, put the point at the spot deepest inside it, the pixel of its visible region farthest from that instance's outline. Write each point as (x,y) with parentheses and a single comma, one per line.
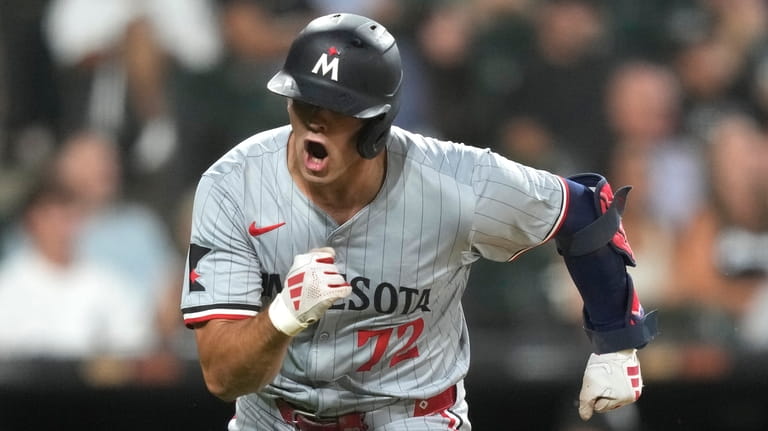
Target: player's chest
(393,266)
(367,249)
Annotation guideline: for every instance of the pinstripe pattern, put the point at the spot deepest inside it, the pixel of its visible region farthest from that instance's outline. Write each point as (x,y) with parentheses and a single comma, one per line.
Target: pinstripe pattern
(407,256)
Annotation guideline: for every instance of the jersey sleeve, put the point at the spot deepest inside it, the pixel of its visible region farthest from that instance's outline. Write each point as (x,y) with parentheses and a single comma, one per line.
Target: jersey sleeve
(517,207)
(222,276)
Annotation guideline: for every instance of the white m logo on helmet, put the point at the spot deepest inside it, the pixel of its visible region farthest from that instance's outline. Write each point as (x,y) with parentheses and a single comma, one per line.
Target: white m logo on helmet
(323,66)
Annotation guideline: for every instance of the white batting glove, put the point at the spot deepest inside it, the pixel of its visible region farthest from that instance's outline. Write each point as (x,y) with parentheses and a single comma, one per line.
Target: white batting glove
(611,380)
(313,284)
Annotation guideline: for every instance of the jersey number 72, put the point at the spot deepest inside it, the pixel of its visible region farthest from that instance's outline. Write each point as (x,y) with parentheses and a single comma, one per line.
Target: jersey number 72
(382,337)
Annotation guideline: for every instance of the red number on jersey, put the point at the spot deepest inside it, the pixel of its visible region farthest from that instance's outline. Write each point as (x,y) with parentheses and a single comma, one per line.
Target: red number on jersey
(409,350)
(382,337)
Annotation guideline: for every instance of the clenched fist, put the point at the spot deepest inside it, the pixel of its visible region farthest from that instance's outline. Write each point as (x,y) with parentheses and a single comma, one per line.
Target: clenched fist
(611,380)
(313,284)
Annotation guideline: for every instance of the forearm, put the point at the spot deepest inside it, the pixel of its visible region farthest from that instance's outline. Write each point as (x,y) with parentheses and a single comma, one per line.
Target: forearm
(596,252)
(240,356)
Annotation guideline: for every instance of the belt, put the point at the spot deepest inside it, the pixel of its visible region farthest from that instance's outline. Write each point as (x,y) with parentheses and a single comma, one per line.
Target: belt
(306,421)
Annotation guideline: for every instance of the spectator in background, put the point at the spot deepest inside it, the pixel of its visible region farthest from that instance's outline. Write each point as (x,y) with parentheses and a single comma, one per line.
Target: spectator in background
(742,27)
(221,105)
(563,82)
(503,35)
(115,60)
(723,256)
(739,24)
(711,74)
(443,42)
(121,235)
(643,109)
(29,97)
(54,303)
(719,51)
(525,140)
(28,101)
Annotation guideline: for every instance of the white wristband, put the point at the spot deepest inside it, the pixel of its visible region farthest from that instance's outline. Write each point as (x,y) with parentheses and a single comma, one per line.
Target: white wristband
(283,319)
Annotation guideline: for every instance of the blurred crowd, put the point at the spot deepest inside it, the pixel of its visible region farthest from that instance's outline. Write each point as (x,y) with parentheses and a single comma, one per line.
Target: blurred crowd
(111,109)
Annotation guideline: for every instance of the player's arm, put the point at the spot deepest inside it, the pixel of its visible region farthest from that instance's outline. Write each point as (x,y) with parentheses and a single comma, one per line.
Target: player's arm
(242,356)
(239,356)
(241,341)
(596,252)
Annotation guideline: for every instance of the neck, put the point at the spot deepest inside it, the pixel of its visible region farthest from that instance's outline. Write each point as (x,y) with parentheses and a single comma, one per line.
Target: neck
(347,195)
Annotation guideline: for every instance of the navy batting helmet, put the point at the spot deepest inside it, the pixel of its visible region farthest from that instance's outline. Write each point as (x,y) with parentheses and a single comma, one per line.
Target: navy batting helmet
(348,64)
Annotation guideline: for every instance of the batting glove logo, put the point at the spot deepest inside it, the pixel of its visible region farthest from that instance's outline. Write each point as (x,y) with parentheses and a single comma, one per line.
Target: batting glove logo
(294,289)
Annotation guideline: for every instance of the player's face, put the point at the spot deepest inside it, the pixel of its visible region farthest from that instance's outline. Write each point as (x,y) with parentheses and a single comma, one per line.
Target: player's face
(324,142)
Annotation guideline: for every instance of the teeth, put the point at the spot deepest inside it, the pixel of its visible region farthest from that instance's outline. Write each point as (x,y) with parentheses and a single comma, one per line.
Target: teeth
(316,161)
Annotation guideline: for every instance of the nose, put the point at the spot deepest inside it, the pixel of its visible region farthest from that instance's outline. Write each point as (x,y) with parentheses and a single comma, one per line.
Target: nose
(316,121)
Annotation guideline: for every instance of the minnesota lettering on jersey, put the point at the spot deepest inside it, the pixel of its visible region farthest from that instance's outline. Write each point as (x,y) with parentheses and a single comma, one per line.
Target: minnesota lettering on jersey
(384,298)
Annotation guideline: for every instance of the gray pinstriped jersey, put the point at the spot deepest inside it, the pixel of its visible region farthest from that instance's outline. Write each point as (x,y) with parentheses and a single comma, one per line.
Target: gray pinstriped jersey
(401,333)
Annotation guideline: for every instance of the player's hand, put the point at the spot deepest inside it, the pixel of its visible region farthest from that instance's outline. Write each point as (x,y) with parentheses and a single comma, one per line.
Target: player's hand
(313,284)
(611,380)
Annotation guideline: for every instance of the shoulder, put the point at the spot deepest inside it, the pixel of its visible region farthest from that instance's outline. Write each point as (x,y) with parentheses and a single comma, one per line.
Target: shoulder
(416,144)
(441,155)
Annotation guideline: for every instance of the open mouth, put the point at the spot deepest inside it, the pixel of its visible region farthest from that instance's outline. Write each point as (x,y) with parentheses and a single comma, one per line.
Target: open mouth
(316,150)
(316,156)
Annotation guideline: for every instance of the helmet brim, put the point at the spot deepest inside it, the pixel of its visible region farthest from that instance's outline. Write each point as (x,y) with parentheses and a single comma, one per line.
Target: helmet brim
(316,91)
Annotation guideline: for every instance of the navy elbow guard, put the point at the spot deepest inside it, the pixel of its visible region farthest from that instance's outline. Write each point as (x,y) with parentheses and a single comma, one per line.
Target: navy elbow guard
(594,246)
(605,229)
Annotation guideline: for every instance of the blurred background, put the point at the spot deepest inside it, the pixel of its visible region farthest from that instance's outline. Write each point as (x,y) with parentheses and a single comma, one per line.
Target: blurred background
(111,109)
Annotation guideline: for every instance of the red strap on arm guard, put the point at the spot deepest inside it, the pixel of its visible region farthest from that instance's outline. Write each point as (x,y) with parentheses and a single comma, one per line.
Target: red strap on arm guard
(607,228)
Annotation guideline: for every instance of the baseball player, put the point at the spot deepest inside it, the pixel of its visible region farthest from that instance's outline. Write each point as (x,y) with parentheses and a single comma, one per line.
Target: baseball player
(329,256)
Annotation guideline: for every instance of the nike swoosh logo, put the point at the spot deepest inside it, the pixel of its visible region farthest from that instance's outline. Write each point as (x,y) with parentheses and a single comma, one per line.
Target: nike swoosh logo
(256,231)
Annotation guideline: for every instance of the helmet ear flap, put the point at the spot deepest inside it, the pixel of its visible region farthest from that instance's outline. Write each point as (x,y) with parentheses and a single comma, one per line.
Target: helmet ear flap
(373,137)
